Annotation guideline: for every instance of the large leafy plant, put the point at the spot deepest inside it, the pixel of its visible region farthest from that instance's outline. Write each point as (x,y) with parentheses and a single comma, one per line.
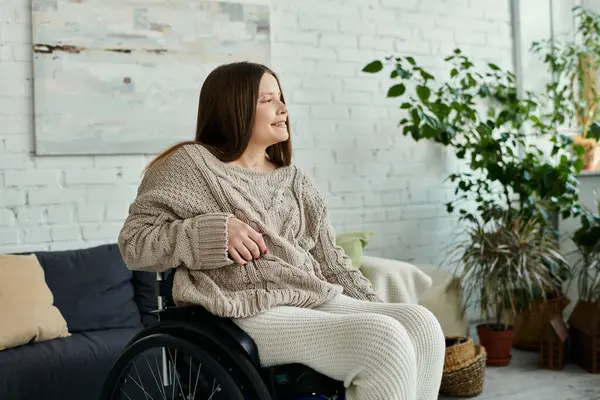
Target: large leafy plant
(574,64)
(479,115)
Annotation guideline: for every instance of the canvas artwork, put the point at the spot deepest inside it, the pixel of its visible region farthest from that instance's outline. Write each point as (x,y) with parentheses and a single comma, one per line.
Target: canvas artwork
(123,76)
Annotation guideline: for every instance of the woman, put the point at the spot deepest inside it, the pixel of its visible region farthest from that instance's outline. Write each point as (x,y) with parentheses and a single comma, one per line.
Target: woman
(251,238)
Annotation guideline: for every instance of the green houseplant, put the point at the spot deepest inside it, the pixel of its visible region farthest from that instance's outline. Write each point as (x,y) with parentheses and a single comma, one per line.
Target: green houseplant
(503,266)
(481,118)
(585,319)
(574,63)
(587,240)
(509,180)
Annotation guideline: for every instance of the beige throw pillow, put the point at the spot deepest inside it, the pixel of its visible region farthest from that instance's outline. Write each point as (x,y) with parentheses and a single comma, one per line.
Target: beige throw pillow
(27,313)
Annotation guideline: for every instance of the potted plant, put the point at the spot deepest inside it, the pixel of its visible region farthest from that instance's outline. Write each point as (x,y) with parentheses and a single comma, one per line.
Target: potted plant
(587,240)
(585,318)
(480,117)
(574,64)
(477,114)
(502,265)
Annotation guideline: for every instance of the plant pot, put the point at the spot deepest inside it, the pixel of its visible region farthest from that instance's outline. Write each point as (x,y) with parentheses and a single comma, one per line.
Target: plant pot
(530,324)
(497,344)
(591,155)
(585,335)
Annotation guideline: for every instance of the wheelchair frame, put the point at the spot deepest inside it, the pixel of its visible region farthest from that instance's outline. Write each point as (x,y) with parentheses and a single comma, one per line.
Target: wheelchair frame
(196,324)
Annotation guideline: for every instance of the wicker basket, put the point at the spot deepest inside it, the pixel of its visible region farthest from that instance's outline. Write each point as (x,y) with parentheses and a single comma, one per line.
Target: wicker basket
(459,350)
(464,369)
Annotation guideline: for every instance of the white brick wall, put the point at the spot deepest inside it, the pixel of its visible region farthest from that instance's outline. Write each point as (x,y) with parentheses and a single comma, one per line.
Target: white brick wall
(345,131)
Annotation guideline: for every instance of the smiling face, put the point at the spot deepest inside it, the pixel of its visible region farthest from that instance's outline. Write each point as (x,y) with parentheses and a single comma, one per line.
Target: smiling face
(270,119)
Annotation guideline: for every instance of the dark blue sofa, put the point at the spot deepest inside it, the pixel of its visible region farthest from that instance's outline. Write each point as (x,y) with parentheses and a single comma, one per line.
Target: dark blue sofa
(104,304)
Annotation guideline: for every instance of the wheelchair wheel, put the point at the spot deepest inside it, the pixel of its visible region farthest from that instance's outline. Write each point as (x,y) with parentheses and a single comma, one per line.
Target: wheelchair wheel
(165,367)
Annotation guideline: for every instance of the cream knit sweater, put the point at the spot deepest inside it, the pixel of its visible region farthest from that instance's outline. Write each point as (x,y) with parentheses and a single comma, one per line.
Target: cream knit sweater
(179,219)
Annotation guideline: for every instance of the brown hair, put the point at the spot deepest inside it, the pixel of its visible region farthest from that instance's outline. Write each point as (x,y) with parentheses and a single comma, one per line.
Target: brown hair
(226,111)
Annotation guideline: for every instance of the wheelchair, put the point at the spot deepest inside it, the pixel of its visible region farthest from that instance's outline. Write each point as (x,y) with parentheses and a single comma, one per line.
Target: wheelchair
(191,354)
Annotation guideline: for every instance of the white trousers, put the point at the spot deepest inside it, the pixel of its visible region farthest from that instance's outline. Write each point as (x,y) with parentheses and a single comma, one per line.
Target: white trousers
(381,351)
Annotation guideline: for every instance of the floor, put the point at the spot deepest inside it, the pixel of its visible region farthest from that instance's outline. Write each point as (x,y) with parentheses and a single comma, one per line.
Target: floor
(523,379)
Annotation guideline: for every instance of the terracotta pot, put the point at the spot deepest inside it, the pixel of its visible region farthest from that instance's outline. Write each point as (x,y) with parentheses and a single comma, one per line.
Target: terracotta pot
(497,344)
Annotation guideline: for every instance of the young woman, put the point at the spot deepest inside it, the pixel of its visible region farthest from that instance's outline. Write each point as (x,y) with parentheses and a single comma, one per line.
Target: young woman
(250,236)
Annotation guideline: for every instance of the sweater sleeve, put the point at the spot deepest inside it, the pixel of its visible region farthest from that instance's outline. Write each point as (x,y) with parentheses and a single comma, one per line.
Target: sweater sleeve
(335,264)
(155,237)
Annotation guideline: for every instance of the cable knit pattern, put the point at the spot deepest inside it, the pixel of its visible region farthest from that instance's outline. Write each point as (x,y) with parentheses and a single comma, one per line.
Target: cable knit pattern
(179,219)
(381,351)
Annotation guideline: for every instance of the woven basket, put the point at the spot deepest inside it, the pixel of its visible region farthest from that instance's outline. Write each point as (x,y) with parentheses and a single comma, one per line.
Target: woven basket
(463,376)
(459,350)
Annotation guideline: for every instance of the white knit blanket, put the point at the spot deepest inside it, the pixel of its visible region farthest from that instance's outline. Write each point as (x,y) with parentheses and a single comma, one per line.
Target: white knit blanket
(395,281)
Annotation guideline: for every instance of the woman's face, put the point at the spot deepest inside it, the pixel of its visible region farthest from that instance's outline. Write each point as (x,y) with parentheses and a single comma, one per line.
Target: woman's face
(270,120)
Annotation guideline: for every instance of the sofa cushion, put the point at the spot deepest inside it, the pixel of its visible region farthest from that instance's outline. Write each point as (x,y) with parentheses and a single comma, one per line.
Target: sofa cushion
(353,244)
(27,313)
(65,369)
(92,288)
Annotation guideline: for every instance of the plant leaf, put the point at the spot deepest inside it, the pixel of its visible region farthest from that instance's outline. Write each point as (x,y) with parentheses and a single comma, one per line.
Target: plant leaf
(373,67)
(423,92)
(396,90)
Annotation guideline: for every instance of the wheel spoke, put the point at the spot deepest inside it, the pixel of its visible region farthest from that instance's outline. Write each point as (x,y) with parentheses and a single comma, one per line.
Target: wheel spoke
(174,367)
(176,376)
(139,377)
(160,385)
(190,380)
(140,386)
(125,394)
(158,381)
(215,390)
(197,379)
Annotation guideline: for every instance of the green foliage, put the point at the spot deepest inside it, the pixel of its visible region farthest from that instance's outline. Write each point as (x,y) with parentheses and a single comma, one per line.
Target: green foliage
(587,239)
(479,116)
(507,263)
(574,64)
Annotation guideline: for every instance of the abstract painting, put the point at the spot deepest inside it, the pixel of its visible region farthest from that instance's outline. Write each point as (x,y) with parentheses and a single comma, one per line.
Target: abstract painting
(123,76)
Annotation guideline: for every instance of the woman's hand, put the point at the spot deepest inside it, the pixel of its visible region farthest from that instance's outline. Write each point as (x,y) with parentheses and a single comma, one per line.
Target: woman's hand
(245,243)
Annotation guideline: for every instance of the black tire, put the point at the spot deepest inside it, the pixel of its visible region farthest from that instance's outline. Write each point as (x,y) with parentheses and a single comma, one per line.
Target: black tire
(228,388)
(236,361)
